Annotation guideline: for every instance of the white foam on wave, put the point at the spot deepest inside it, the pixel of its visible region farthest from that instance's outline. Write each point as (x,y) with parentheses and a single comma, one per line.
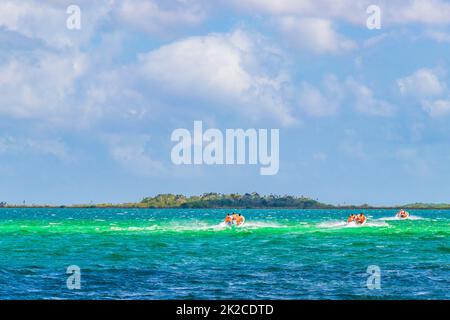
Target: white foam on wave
(415,218)
(223,226)
(375,223)
(148,228)
(395,218)
(260,224)
(332,224)
(342,224)
(198,226)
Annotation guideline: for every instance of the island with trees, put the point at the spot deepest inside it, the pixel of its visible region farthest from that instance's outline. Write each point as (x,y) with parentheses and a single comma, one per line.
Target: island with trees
(231,201)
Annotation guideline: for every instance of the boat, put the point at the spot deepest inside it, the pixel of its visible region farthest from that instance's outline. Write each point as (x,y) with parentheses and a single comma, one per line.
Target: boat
(233,224)
(402,214)
(362,222)
(356,222)
(241,224)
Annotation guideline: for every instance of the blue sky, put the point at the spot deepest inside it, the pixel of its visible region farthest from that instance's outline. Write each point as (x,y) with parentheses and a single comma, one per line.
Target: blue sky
(86,115)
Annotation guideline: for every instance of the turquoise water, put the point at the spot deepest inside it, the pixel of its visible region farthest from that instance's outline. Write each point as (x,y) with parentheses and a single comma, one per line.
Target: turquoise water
(188,254)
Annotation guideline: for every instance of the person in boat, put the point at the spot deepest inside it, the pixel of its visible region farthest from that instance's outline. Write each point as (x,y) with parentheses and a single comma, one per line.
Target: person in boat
(234,217)
(361,218)
(228,220)
(239,219)
(351,218)
(403,214)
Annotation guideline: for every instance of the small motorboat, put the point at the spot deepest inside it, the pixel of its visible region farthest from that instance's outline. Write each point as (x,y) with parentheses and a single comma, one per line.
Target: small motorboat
(356,220)
(402,214)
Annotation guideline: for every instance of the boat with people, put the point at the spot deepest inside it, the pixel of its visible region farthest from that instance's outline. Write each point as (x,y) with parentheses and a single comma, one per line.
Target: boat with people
(402,214)
(234,219)
(357,219)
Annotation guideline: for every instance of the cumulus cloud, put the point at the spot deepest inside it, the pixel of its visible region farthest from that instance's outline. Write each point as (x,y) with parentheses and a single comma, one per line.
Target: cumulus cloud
(326,101)
(39,86)
(394,12)
(235,70)
(429,88)
(319,103)
(236,73)
(366,102)
(437,108)
(432,12)
(322,17)
(423,82)
(160,17)
(341,9)
(313,102)
(46,20)
(316,34)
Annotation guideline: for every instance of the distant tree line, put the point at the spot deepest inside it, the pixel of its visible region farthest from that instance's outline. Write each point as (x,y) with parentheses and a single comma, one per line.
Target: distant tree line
(234,200)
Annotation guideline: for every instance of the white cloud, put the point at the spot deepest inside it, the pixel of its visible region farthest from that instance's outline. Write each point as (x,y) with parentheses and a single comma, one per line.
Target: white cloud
(237,73)
(422,83)
(312,23)
(437,108)
(34,20)
(366,102)
(316,103)
(235,70)
(327,101)
(154,18)
(313,102)
(340,9)
(38,86)
(429,88)
(316,34)
(431,12)
(46,20)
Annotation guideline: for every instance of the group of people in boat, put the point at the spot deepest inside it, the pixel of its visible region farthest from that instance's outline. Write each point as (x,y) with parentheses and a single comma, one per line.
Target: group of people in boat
(357,218)
(361,218)
(234,218)
(402,214)
(238,219)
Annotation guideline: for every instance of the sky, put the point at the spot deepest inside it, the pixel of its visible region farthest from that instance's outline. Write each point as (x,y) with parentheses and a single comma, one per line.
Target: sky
(86,114)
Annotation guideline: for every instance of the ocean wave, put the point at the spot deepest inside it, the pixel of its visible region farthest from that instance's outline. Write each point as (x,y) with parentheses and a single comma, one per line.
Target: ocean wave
(148,228)
(411,217)
(342,224)
(193,227)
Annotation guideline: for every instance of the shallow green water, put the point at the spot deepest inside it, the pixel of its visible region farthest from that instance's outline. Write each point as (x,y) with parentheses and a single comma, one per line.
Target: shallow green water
(189,254)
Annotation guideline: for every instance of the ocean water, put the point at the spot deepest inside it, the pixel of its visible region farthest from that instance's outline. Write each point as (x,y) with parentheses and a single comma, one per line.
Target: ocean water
(190,254)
